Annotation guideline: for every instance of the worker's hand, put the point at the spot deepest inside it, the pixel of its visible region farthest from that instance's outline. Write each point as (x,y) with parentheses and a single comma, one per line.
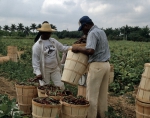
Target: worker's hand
(75,49)
(36,79)
(39,77)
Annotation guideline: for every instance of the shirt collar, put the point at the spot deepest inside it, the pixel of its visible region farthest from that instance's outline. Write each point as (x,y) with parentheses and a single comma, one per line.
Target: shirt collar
(40,40)
(94,26)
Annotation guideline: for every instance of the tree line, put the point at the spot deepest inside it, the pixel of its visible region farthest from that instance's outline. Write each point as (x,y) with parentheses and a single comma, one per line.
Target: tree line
(131,33)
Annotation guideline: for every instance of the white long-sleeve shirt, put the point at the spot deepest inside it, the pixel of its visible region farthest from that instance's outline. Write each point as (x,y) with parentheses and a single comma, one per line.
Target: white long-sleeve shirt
(38,58)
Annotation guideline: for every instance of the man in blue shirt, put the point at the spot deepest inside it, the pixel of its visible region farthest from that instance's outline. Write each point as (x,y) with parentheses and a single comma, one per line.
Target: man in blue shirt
(97,48)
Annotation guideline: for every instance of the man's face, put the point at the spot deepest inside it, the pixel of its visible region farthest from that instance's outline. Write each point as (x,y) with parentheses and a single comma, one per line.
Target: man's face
(85,29)
(45,35)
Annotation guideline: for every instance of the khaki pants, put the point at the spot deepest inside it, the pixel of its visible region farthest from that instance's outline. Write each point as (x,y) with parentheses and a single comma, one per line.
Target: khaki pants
(55,76)
(97,88)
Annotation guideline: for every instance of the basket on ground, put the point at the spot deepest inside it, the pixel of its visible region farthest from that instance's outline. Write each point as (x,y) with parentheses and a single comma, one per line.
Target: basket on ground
(25,94)
(74,107)
(146,70)
(19,53)
(49,87)
(4,59)
(58,94)
(40,110)
(143,93)
(111,75)
(75,66)
(13,57)
(74,111)
(142,109)
(81,90)
(41,93)
(12,50)
(12,53)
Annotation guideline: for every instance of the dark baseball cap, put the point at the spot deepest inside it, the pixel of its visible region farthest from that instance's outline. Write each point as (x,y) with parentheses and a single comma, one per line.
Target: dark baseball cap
(84,20)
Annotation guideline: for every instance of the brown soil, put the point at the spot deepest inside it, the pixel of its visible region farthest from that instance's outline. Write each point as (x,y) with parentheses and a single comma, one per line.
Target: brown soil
(121,103)
(7,87)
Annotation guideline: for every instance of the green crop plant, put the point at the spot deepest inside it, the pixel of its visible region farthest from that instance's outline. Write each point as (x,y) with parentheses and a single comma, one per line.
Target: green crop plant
(8,108)
(127,57)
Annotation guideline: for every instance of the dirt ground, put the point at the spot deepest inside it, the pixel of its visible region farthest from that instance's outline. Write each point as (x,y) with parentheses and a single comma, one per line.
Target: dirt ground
(121,103)
(7,87)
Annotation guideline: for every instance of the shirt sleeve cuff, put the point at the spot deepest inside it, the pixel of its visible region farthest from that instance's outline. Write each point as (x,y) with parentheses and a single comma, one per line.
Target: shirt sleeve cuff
(38,72)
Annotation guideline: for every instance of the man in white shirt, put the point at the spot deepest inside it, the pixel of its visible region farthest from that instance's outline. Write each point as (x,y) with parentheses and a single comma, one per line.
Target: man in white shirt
(45,57)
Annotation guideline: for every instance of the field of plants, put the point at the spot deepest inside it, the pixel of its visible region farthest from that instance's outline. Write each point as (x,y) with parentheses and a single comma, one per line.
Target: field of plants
(127,57)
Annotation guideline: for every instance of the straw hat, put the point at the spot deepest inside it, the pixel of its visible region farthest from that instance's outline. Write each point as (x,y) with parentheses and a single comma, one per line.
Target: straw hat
(46,27)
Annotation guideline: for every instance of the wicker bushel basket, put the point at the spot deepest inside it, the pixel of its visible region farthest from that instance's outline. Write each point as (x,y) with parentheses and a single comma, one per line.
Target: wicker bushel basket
(25,94)
(44,110)
(146,70)
(111,75)
(19,53)
(13,57)
(74,111)
(142,110)
(4,59)
(82,91)
(41,93)
(12,50)
(54,97)
(143,93)
(75,66)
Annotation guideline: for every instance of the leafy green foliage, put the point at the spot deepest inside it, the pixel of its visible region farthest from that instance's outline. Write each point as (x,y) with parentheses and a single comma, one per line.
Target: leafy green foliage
(115,113)
(8,108)
(128,59)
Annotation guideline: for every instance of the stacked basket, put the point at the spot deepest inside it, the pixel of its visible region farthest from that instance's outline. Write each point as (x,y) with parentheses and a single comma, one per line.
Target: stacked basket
(4,59)
(25,94)
(30,103)
(143,94)
(12,53)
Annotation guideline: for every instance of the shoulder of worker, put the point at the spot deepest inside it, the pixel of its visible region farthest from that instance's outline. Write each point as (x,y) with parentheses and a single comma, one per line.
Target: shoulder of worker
(37,44)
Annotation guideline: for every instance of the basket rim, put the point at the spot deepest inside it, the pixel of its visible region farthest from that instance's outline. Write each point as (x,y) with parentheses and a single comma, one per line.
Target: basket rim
(142,103)
(45,105)
(40,90)
(25,86)
(147,64)
(79,44)
(73,105)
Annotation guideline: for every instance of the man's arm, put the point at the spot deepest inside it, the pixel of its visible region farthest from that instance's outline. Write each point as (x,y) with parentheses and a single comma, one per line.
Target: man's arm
(83,50)
(36,61)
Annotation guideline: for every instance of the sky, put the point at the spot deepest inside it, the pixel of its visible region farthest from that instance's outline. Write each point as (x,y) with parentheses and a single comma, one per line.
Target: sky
(65,14)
